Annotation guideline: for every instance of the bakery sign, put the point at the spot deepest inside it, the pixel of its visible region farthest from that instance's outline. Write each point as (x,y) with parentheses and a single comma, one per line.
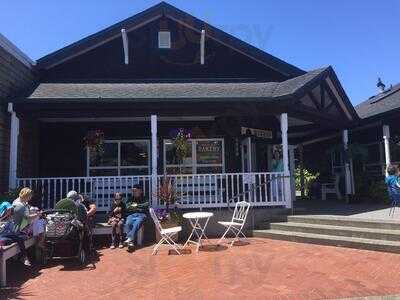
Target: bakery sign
(209,152)
(260,133)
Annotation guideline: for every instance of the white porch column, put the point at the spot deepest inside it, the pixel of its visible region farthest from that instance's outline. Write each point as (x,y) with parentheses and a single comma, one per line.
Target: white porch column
(292,167)
(14,133)
(347,163)
(285,158)
(386,143)
(154,159)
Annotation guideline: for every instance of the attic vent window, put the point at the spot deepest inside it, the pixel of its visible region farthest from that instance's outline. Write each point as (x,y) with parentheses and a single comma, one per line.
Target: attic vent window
(164,40)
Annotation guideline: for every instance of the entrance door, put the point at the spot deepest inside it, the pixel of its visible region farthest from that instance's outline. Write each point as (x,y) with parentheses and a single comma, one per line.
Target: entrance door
(248,149)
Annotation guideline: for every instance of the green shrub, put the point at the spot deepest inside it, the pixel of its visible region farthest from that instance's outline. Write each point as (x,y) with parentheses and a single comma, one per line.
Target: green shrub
(308,179)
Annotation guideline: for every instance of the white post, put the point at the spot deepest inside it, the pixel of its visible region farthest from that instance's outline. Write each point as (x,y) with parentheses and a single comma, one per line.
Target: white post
(125,46)
(292,165)
(285,153)
(346,163)
(154,154)
(202,46)
(14,132)
(386,139)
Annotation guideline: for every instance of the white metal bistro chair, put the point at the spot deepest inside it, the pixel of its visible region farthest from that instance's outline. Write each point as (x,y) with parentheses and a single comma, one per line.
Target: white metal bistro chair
(237,223)
(166,234)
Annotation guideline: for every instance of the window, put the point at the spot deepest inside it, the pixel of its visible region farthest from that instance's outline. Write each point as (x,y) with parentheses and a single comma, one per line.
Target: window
(120,158)
(205,156)
(164,39)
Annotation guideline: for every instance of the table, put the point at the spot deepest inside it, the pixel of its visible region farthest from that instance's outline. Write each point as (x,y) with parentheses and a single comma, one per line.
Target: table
(198,230)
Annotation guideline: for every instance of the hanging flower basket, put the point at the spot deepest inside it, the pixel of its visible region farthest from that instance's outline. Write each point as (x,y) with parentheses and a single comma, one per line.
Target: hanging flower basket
(94,141)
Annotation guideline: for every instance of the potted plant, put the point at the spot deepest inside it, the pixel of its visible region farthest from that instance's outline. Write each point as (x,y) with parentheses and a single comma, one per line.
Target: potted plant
(170,216)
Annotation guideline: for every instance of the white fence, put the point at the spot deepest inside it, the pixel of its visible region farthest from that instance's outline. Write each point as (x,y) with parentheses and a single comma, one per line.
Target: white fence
(195,190)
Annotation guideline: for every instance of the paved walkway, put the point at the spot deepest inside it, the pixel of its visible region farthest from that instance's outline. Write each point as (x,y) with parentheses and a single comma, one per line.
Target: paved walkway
(333,207)
(263,269)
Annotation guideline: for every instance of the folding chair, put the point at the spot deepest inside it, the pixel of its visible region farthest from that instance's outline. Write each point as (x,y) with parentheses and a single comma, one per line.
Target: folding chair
(237,223)
(166,234)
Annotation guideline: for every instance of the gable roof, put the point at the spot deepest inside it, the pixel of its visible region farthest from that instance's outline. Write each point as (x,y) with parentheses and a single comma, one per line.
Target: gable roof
(382,103)
(169,11)
(8,46)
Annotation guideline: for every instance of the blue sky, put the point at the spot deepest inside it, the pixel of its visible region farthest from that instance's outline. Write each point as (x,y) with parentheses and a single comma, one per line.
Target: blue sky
(360,39)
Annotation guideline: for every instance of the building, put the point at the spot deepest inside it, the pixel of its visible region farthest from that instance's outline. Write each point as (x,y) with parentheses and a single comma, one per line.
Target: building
(137,82)
(16,78)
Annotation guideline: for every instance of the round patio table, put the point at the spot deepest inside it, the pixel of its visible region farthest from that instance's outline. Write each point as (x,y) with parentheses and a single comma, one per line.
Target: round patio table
(197,229)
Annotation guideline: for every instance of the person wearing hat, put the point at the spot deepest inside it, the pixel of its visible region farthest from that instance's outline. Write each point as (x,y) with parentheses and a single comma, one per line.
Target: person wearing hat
(73,204)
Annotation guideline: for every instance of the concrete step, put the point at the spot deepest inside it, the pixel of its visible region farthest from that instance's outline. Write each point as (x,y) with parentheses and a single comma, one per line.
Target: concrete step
(330,240)
(345,221)
(272,219)
(348,231)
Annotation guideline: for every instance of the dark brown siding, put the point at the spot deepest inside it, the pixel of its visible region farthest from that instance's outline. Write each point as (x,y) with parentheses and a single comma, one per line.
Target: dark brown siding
(15,79)
(147,61)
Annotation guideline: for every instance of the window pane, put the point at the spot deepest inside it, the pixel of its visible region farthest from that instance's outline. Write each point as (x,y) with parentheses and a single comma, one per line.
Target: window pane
(134,153)
(135,171)
(170,154)
(103,172)
(209,152)
(107,159)
(209,170)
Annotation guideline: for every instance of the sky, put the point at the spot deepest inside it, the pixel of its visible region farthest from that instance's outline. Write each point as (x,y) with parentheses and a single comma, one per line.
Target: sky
(359,38)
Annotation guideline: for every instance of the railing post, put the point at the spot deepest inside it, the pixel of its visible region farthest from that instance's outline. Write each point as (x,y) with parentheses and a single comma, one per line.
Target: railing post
(154,154)
(285,158)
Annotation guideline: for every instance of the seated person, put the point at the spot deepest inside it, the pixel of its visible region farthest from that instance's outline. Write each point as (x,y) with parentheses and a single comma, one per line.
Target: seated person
(6,211)
(23,216)
(135,215)
(90,210)
(73,204)
(392,181)
(116,220)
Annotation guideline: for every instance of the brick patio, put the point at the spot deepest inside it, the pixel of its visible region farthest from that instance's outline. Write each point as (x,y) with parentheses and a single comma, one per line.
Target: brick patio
(263,269)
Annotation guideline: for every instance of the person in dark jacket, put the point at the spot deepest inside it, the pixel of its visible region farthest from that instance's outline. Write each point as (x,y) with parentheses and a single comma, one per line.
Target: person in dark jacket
(136,214)
(116,220)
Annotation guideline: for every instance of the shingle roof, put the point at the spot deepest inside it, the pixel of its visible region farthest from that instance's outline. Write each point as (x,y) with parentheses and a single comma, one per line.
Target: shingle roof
(379,104)
(181,90)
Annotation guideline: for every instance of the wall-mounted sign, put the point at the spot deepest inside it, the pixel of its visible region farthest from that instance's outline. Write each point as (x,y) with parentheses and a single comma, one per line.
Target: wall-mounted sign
(260,133)
(209,152)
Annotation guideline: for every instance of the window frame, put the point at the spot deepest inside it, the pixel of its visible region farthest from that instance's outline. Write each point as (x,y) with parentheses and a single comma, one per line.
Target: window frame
(166,33)
(119,167)
(194,164)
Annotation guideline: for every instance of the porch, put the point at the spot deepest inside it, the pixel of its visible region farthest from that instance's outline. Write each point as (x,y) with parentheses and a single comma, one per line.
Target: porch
(235,129)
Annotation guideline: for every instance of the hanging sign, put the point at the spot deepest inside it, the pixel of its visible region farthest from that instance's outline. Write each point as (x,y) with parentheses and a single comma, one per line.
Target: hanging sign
(260,133)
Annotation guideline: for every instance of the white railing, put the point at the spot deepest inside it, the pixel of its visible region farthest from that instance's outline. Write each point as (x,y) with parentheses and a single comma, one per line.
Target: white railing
(195,190)
(223,190)
(100,189)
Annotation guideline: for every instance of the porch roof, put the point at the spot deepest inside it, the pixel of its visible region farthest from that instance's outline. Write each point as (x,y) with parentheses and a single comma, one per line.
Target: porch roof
(174,90)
